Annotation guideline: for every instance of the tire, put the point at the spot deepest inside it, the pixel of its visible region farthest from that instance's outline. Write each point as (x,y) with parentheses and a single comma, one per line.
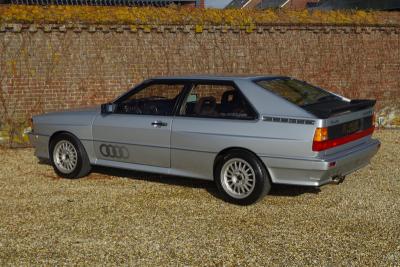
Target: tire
(69,157)
(241,177)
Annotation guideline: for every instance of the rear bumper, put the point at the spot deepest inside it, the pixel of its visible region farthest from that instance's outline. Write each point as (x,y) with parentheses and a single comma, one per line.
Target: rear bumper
(317,172)
(40,143)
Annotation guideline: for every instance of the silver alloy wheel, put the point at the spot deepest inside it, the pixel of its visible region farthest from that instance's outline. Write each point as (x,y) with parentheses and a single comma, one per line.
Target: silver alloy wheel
(238,178)
(65,156)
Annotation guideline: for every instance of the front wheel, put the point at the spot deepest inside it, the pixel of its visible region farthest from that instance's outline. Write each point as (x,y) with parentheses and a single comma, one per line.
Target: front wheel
(68,157)
(241,177)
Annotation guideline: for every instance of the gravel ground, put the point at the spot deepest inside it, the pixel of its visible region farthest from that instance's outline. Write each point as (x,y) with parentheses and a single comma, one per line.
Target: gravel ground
(116,217)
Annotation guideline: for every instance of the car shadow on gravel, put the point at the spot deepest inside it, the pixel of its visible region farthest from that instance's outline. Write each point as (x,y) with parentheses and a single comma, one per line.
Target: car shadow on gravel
(276,190)
(151,177)
(292,190)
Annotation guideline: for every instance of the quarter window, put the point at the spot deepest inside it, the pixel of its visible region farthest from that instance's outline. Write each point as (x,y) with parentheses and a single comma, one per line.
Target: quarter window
(217,101)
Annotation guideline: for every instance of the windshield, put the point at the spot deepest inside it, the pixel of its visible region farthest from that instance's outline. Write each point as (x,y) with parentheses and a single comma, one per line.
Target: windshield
(297,92)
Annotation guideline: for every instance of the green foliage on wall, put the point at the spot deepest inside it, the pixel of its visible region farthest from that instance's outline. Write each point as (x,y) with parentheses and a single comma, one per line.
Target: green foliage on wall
(184,16)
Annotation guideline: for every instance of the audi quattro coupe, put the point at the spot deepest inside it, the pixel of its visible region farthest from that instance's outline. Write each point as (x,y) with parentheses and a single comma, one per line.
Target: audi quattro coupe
(244,133)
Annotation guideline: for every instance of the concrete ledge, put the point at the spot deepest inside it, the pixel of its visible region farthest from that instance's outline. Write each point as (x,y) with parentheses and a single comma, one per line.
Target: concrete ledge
(273,28)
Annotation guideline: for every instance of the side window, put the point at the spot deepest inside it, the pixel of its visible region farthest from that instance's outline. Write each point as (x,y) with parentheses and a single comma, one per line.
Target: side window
(155,99)
(217,101)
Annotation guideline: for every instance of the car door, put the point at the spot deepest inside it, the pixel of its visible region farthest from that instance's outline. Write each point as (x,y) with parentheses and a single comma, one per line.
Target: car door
(139,130)
(214,115)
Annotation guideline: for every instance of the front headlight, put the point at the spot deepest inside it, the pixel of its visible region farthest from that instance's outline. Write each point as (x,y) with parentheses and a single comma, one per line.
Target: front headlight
(31,123)
(29,129)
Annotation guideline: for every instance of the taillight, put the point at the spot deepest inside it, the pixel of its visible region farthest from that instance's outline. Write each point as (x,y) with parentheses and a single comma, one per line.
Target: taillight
(321,134)
(320,139)
(322,142)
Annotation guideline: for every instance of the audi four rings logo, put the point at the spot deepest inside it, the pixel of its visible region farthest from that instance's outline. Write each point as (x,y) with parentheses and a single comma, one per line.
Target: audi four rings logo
(115,152)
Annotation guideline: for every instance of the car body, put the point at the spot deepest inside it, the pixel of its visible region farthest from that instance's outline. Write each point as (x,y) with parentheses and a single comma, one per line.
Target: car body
(297,133)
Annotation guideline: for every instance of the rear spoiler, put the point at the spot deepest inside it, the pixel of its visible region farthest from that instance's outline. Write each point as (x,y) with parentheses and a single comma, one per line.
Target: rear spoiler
(353,105)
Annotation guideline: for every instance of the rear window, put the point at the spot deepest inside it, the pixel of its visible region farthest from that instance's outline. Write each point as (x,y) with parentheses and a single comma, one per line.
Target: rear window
(297,92)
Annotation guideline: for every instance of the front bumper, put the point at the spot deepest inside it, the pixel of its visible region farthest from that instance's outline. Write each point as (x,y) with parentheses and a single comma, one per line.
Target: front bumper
(40,143)
(317,172)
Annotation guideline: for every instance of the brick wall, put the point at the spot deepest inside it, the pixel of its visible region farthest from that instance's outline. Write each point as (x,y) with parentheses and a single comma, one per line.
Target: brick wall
(51,67)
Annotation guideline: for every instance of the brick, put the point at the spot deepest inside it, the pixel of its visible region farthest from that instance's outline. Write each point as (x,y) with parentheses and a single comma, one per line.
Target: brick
(94,64)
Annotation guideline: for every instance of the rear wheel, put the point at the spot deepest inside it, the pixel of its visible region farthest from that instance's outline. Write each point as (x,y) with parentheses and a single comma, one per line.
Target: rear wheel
(241,177)
(68,157)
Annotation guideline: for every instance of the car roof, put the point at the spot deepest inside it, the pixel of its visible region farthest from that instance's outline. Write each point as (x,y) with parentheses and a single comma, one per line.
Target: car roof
(215,77)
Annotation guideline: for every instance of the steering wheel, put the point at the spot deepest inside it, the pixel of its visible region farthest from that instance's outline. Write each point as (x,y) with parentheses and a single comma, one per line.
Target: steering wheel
(152,109)
(135,109)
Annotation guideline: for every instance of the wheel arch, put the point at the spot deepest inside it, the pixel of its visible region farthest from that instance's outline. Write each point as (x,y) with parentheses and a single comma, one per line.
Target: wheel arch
(57,133)
(225,151)
(83,165)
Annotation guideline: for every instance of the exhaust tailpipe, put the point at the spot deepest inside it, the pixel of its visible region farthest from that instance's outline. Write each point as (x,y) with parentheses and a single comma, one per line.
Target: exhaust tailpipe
(338,179)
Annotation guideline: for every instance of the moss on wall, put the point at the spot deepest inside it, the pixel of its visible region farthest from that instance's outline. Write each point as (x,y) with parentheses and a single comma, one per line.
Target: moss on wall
(184,16)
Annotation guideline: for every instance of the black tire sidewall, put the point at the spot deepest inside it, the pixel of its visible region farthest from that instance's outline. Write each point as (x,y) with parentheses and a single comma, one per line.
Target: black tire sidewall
(262,185)
(79,149)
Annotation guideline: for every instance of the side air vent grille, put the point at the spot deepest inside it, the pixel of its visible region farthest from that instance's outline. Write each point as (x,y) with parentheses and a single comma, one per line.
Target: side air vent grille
(288,120)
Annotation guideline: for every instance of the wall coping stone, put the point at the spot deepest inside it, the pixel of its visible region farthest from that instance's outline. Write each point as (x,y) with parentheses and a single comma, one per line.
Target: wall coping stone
(273,28)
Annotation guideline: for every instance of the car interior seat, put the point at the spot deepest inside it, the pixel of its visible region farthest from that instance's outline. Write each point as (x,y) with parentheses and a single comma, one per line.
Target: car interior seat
(231,102)
(206,106)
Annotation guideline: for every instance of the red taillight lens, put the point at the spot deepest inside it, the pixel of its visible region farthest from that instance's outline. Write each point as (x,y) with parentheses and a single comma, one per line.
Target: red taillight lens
(326,144)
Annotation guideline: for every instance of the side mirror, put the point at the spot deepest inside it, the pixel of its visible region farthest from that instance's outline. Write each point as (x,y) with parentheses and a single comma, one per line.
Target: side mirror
(108,108)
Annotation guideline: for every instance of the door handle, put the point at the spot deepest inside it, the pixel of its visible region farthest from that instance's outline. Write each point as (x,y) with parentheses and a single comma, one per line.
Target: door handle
(158,124)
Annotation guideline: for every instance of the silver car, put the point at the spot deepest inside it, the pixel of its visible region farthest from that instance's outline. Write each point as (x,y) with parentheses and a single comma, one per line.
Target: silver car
(244,133)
